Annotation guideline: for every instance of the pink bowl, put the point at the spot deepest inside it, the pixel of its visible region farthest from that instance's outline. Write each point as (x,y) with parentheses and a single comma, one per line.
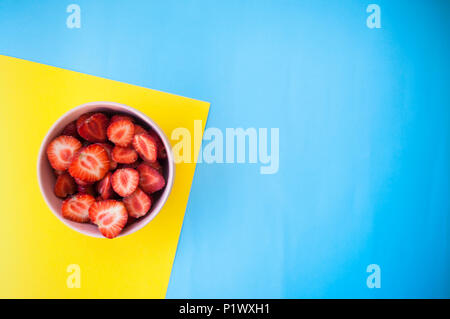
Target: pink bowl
(47,178)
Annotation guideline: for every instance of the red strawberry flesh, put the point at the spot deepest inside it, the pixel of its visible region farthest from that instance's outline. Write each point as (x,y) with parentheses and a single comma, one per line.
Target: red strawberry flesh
(93,128)
(121,132)
(137,204)
(150,180)
(146,146)
(91,164)
(124,181)
(61,151)
(76,208)
(110,216)
(104,187)
(124,155)
(65,185)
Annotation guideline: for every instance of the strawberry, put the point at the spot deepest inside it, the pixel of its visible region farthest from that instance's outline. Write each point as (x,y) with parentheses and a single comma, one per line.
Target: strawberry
(65,185)
(145,145)
(61,150)
(159,144)
(137,204)
(70,130)
(121,132)
(124,181)
(139,130)
(76,208)
(124,155)
(109,149)
(104,187)
(91,164)
(93,128)
(110,216)
(150,180)
(119,117)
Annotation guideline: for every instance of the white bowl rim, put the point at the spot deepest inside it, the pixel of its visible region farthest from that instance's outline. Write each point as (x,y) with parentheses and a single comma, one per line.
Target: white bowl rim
(171,165)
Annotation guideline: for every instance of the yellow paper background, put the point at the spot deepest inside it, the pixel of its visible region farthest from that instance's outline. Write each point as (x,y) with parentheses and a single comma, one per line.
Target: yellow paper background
(35,247)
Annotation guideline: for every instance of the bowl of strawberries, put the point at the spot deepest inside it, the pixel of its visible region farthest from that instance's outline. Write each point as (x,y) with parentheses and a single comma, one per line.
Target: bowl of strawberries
(105,169)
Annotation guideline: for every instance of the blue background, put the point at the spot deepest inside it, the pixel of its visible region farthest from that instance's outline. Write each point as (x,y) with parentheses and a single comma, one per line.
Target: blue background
(364,133)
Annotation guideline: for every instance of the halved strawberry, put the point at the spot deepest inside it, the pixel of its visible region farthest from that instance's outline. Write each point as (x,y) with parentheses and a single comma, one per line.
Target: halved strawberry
(61,151)
(104,187)
(93,128)
(124,155)
(76,208)
(70,130)
(159,144)
(137,204)
(150,180)
(91,164)
(109,149)
(110,216)
(119,117)
(121,132)
(139,130)
(65,185)
(146,146)
(124,181)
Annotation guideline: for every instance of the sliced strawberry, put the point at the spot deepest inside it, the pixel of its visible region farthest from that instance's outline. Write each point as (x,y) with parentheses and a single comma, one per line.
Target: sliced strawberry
(150,180)
(146,146)
(61,150)
(91,164)
(119,117)
(93,128)
(137,204)
(124,181)
(71,130)
(121,132)
(109,149)
(159,144)
(76,208)
(65,185)
(139,130)
(124,155)
(110,216)
(104,187)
